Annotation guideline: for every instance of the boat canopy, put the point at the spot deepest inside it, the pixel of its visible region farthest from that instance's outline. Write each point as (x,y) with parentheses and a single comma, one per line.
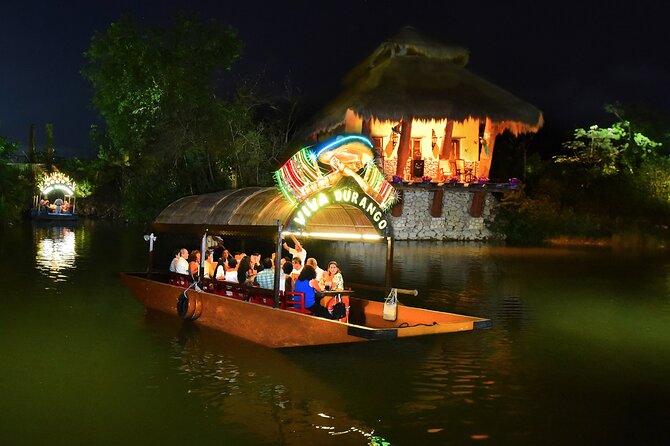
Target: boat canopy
(257,212)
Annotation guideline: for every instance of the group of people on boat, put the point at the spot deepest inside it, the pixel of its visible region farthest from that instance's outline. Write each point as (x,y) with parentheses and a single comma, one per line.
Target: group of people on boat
(59,206)
(298,273)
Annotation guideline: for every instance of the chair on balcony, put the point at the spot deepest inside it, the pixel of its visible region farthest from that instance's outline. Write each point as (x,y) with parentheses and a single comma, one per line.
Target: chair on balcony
(464,173)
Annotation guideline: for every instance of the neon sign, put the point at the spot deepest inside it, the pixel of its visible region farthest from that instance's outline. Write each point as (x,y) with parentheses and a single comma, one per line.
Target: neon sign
(312,170)
(342,195)
(56,181)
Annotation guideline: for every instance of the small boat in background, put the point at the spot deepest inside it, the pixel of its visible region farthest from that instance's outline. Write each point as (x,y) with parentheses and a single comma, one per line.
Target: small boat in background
(55,200)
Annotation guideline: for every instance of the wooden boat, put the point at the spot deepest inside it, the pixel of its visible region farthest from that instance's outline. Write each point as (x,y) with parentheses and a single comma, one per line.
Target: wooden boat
(250,313)
(320,204)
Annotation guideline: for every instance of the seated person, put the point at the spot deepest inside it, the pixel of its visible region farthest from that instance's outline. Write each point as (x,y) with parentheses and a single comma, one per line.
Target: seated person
(227,271)
(286,282)
(319,272)
(210,264)
(266,278)
(307,284)
(337,307)
(245,273)
(331,279)
(194,263)
(179,264)
(173,262)
(297,267)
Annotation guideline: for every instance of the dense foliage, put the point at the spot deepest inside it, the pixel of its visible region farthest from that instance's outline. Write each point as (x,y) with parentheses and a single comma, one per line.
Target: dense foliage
(610,181)
(169,130)
(16,183)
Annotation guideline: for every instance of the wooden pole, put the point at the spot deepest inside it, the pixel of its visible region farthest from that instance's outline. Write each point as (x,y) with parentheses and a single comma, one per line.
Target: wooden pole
(365,128)
(403,146)
(277,263)
(203,247)
(446,141)
(389,263)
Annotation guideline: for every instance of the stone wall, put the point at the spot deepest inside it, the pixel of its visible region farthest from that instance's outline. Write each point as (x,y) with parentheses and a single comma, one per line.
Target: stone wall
(455,223)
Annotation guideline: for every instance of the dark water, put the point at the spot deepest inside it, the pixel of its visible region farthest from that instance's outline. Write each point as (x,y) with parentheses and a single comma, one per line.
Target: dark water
(579,353)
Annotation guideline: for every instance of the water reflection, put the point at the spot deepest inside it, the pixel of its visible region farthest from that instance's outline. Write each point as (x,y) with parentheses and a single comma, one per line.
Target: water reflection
(56,251)
(274,399)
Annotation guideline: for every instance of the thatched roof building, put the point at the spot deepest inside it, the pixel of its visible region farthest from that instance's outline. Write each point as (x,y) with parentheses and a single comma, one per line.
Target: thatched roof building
(421,89)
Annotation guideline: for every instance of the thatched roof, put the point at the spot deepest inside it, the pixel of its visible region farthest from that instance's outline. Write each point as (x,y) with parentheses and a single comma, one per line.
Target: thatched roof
(412,76)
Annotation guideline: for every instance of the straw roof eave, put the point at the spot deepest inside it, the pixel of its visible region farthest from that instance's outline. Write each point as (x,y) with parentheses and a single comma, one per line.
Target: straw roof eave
(425,89)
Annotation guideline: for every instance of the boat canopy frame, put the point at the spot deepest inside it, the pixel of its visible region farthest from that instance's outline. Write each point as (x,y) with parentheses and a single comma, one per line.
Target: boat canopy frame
(262,212)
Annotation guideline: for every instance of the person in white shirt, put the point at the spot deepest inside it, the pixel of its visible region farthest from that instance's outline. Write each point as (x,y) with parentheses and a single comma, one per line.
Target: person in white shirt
(298,251)
(230,268)
(319,271)
(179,264)
(173,263)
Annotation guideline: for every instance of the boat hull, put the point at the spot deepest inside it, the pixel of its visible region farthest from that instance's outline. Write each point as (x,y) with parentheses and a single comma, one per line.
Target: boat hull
(53,216)
(276,328)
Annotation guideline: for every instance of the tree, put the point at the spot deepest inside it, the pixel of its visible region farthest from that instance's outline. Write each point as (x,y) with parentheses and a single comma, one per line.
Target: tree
(156,90)
(32,153)
(608,151)
(15,183)
(614,174)
(50,151)
(169,130)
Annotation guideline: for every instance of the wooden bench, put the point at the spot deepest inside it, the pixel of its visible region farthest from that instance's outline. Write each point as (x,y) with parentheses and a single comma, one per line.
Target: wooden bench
(291,300)
(182,280)
(294,301)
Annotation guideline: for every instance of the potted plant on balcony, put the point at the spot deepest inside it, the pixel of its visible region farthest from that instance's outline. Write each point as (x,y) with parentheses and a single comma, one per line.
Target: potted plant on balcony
(397,180)
(481,181)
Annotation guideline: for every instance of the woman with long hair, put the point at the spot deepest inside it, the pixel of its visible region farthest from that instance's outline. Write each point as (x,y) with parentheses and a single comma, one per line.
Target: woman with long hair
(245,273)
(194,263)
(331,279)
(337,307)
(307,284)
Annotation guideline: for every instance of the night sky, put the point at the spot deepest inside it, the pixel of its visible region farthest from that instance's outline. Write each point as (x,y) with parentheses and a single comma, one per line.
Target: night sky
(568,59)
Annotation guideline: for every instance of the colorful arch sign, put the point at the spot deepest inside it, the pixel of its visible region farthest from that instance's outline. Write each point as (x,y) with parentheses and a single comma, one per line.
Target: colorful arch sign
(56,181)
(339,171)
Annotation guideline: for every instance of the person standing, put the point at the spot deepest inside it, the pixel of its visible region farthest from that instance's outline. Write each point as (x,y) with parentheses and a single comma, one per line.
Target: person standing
(298,251)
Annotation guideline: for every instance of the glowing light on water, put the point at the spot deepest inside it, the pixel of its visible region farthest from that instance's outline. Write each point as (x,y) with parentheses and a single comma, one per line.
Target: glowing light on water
(56,253)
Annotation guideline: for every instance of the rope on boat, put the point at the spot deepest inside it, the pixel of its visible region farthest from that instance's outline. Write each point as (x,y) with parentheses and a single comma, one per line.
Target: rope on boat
(406,325)
(183,305)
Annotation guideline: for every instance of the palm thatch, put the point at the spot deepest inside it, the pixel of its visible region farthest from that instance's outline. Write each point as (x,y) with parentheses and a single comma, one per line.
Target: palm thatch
(412,76)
